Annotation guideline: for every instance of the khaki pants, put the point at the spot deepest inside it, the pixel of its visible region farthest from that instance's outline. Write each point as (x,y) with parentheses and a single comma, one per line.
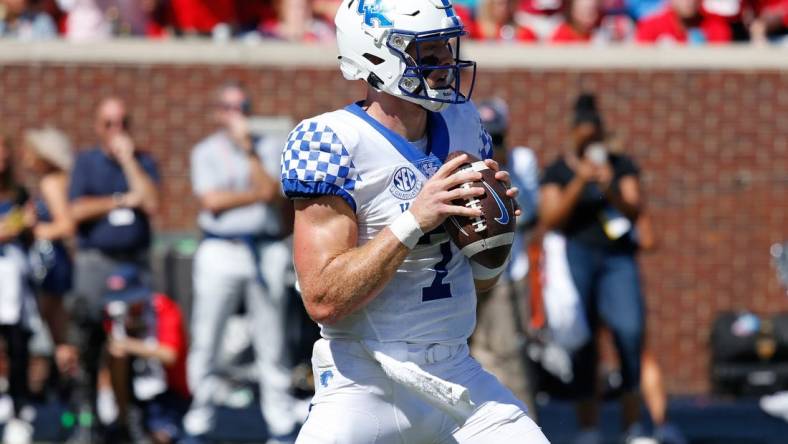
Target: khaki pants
(224,273)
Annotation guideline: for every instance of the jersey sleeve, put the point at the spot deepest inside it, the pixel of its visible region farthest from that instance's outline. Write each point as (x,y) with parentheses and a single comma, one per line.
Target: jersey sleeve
(316,163)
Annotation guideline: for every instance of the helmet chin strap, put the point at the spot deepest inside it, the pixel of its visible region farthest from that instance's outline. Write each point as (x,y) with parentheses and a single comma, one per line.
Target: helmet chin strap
(423,97)
(429,105)
(435,107)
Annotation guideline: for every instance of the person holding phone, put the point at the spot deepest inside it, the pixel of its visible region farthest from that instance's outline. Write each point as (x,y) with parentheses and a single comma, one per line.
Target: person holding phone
(593,198)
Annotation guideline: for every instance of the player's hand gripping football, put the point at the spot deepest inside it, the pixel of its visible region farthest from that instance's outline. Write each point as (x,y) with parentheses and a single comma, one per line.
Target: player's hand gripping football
(434,203)
(504,177)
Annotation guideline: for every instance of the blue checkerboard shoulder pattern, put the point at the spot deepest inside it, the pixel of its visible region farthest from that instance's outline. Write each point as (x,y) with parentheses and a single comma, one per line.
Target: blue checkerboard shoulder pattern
(315,162)
(487,145)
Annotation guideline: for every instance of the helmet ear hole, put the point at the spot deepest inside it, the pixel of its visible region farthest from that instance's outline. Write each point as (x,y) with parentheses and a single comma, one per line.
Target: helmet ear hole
(375,60)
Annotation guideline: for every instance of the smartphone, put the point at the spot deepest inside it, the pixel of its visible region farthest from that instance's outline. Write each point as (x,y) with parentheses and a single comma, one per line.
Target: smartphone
(597,153)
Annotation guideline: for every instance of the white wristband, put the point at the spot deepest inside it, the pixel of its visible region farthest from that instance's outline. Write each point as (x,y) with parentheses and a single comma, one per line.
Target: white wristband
(482,273)
(406,228)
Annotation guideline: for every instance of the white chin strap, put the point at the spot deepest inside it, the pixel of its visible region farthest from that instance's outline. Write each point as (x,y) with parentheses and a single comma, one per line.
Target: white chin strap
(429,105)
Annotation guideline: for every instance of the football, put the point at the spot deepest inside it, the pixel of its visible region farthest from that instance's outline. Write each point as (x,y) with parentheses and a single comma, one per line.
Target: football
(488,238)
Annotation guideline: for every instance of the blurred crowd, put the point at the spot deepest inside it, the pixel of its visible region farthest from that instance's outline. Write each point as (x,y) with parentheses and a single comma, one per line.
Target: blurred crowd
(693,22)
(81,322)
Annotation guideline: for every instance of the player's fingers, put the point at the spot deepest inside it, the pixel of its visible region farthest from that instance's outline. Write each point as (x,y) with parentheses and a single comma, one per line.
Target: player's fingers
(462,193)
(518,213)
(503,176)
(513,192)
(450,166)
(460,178)
(491,164)
(461,210)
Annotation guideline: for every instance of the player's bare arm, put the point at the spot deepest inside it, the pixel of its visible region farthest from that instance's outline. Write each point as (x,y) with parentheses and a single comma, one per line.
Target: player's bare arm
(338,277)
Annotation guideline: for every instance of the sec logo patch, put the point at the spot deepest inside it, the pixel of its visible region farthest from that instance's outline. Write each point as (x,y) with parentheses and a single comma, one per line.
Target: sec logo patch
(404,184)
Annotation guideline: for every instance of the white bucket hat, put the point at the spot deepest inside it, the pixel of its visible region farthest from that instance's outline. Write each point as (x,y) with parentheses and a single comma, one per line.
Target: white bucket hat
(52,145)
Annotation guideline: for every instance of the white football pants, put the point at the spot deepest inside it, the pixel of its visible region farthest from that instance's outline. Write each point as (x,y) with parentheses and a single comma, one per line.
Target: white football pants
(356,403)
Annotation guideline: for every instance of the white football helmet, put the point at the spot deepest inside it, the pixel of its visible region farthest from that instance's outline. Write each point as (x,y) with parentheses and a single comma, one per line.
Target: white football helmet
(373,35)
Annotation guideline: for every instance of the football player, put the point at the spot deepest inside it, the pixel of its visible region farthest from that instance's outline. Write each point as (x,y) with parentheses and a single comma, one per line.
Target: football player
(395,299)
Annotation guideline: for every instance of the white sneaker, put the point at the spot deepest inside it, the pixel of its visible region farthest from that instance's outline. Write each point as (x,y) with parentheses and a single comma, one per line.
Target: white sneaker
(198,421)
(106,407)
(776,404)
(588,436)
(636,435)
(6,408)
(642,440)
(17,432)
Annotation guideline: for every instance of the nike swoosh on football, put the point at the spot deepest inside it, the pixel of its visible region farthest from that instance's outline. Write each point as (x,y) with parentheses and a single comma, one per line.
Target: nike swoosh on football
(504,219)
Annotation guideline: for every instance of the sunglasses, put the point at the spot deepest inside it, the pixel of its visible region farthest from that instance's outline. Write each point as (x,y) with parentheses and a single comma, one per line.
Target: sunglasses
(123,123)
(244,107)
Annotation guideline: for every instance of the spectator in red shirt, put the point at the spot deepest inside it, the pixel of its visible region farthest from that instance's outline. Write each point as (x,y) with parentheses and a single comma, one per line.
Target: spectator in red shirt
(496,22)
(84,20)
(158,18)
(202,16)
(582,20)
(771,22)
(684,22)
(540,16)
(586,22)
(147,347)
(322,26)
(304,20)
(741,15)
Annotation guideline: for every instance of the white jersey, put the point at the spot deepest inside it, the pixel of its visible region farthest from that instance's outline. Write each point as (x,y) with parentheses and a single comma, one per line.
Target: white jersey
(347,153)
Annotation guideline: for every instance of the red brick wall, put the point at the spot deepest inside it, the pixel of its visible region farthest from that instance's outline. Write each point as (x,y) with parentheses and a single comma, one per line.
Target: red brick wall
(713,147)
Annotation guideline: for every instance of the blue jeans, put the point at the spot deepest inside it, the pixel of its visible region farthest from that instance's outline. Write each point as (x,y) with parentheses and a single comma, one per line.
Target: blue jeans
(609,287)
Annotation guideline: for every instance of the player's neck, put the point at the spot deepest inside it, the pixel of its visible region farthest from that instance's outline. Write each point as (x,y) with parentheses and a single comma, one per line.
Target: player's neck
(404,118)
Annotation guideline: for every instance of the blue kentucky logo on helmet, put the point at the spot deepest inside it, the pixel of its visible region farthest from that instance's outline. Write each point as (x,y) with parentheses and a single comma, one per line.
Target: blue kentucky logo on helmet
(373,11)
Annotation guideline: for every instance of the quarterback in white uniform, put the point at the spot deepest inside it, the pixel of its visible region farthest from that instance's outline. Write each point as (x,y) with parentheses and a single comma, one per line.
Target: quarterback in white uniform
(395,299)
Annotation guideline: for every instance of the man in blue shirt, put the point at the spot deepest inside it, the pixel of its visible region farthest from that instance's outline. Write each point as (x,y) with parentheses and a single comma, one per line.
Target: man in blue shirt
(113,194)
